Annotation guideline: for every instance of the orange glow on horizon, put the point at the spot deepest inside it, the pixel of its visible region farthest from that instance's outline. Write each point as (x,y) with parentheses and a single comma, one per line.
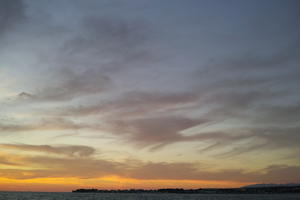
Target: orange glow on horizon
(109,182)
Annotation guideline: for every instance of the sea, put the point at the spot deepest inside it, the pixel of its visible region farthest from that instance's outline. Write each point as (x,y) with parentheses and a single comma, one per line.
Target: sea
(140,196)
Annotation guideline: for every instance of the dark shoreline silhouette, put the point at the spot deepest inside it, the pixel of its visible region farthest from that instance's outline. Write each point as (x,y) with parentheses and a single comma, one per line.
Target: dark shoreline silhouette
(243,190)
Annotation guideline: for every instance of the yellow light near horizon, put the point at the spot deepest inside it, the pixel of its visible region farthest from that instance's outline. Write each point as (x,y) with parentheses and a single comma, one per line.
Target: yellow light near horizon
(109,182)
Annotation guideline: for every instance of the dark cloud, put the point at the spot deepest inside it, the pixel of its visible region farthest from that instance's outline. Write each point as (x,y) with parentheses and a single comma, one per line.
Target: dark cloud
(283,57)
(87,62)
(149,120)
(110,44)
(76,85)
(220,105)
(280,174)
(115,32)
(256,139)
(155,132)
(276,137)
(104,44)
(11,13)
(279,114)
(158,131)
(138,116)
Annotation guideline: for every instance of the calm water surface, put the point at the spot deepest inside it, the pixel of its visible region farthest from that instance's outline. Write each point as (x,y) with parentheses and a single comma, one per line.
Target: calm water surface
(90,196)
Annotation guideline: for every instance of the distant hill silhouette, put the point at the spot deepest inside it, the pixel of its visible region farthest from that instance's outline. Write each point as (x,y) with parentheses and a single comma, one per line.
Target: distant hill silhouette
(264,185)
(251,189)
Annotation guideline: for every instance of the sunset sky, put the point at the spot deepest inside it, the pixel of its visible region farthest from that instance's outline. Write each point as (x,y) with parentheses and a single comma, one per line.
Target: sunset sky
(115,94)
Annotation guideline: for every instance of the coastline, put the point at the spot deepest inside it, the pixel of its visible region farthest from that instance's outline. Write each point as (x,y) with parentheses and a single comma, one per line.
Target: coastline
(258,190)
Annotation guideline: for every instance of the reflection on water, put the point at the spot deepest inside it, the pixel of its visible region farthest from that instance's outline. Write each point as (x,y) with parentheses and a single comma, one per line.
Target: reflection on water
(97,196)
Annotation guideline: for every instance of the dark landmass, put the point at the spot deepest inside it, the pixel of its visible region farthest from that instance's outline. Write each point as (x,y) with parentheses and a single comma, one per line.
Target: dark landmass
(272,185)
(243,190)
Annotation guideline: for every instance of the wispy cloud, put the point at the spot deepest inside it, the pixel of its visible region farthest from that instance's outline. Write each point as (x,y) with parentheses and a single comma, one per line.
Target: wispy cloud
(87,167)
(150,76)
(68,150)
(44,124)
(131,104)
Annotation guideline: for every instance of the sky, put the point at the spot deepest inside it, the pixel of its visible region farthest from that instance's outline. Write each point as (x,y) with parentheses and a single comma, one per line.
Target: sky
(117,94)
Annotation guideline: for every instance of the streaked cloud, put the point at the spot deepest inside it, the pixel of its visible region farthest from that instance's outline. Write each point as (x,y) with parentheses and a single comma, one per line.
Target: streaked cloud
(87,167)
(70,150)
(162,90)
(131,104)
(44,124)
(72,86)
